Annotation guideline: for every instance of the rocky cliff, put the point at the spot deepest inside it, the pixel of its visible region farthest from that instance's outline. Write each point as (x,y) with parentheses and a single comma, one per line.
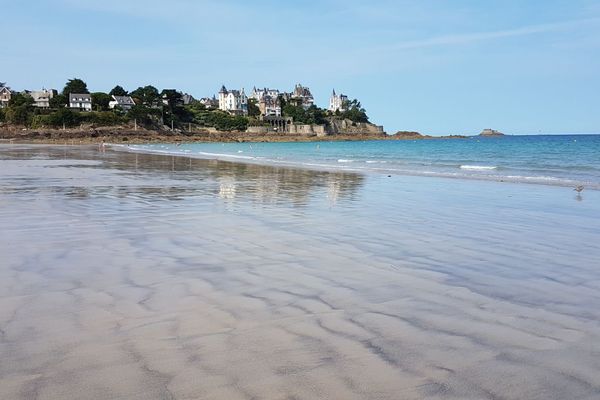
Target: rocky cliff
(346,127)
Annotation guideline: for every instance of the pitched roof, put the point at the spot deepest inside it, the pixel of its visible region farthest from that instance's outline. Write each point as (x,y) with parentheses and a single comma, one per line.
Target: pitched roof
(124,100)
(82,96)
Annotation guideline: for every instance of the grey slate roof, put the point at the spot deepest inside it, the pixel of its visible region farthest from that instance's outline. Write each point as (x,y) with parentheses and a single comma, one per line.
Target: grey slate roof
(80,97)
(124,100)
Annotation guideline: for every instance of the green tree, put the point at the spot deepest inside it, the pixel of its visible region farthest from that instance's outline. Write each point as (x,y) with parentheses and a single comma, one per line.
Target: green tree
(354,111)
(118,91)
(224,122)
(75,85)
(20,109)
(100,101)
(59,100)
(144,115)
(253,110)
(147,95)
(62,116)
(312,115)
(174,110)
(18,115)
(172,97)
(20,99)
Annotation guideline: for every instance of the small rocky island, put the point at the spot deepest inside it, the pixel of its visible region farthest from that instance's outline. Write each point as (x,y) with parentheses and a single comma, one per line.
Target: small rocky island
(491,133)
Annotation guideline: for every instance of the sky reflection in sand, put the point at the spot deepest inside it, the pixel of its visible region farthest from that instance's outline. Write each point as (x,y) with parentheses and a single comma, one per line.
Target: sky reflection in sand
(142,276)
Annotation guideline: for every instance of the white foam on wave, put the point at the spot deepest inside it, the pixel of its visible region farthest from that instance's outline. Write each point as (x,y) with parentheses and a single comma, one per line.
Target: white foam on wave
(217,155)
(343,160)
(478,167)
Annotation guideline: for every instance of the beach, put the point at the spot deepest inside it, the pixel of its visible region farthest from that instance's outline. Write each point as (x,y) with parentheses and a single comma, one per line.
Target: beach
(147,276)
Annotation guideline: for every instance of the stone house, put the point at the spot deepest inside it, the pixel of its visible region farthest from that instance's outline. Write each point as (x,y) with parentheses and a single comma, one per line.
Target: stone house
(301,96)
(42,97)
(5,95)
(267,101)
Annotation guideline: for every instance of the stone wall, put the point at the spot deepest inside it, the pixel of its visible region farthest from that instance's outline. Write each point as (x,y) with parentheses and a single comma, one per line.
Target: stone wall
(291,129)
(260,130)
(309,130)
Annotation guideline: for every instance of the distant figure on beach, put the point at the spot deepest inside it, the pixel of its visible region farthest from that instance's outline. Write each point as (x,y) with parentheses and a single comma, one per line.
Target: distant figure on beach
(102,146)
(579,188)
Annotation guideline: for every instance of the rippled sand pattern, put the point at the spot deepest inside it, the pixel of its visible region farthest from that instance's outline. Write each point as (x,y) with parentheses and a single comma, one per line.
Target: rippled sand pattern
(130,276)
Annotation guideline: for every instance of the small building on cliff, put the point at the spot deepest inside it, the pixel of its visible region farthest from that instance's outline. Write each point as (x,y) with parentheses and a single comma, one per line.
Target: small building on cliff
(337,102)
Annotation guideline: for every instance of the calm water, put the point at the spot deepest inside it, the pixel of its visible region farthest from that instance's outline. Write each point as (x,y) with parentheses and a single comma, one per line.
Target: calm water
(563,160)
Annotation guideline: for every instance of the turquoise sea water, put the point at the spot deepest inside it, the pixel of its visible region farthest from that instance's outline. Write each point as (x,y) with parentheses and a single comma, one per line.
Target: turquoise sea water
(564,160)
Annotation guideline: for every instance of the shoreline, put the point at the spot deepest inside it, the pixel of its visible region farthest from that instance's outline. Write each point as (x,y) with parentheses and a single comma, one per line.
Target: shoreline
(99,135)
(349,168)
(249,160)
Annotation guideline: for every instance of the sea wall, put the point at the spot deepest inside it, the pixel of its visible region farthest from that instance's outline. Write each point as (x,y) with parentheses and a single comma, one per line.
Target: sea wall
(293,129)
(308,129)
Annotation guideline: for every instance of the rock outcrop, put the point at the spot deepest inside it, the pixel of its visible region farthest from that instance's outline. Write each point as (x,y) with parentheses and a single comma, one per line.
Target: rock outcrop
(348,127)
(490,132)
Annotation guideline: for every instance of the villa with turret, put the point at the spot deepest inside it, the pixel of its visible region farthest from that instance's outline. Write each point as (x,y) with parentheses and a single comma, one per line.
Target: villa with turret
(233,101)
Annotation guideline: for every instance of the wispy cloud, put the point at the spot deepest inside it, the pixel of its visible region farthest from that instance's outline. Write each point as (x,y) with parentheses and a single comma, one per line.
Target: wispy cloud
(458,39)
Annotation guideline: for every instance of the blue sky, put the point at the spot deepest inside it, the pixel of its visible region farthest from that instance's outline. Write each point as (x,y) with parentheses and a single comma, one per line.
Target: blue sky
(435,66)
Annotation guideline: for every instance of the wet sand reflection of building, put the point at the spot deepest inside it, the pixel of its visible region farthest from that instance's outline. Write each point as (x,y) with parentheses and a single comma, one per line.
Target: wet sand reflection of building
(178,178)
(253,182)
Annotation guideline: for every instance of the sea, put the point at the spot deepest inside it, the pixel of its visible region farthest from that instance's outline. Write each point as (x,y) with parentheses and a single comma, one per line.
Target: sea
(561,160)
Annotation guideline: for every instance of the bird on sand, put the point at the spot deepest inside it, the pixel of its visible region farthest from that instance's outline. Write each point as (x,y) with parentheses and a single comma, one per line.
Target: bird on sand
(579,188)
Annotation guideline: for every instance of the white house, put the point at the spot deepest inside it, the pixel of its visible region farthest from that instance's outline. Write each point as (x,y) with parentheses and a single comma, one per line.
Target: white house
(233,101)
(42,97)
(337,102)
(80,101)
(5,95)
(124,102)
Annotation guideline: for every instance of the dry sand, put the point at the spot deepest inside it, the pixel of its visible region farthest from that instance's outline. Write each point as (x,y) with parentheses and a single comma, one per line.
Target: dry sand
(130,276)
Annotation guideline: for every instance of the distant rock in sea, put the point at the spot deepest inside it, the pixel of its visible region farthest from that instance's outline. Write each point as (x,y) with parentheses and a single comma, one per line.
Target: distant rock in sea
(408,135)
(490,132)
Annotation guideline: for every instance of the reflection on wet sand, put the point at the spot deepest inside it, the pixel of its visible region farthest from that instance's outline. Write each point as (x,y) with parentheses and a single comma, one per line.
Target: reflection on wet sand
(131,276)
(193,177)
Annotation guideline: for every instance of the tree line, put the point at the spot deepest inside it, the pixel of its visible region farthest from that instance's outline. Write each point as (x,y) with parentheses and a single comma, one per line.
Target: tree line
(153,109)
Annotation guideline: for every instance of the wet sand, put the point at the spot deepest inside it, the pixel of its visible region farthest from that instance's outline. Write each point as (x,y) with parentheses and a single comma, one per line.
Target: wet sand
(132,276)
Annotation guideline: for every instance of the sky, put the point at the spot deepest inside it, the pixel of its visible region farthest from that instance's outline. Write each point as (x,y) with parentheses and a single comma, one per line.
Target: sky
(432,66)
